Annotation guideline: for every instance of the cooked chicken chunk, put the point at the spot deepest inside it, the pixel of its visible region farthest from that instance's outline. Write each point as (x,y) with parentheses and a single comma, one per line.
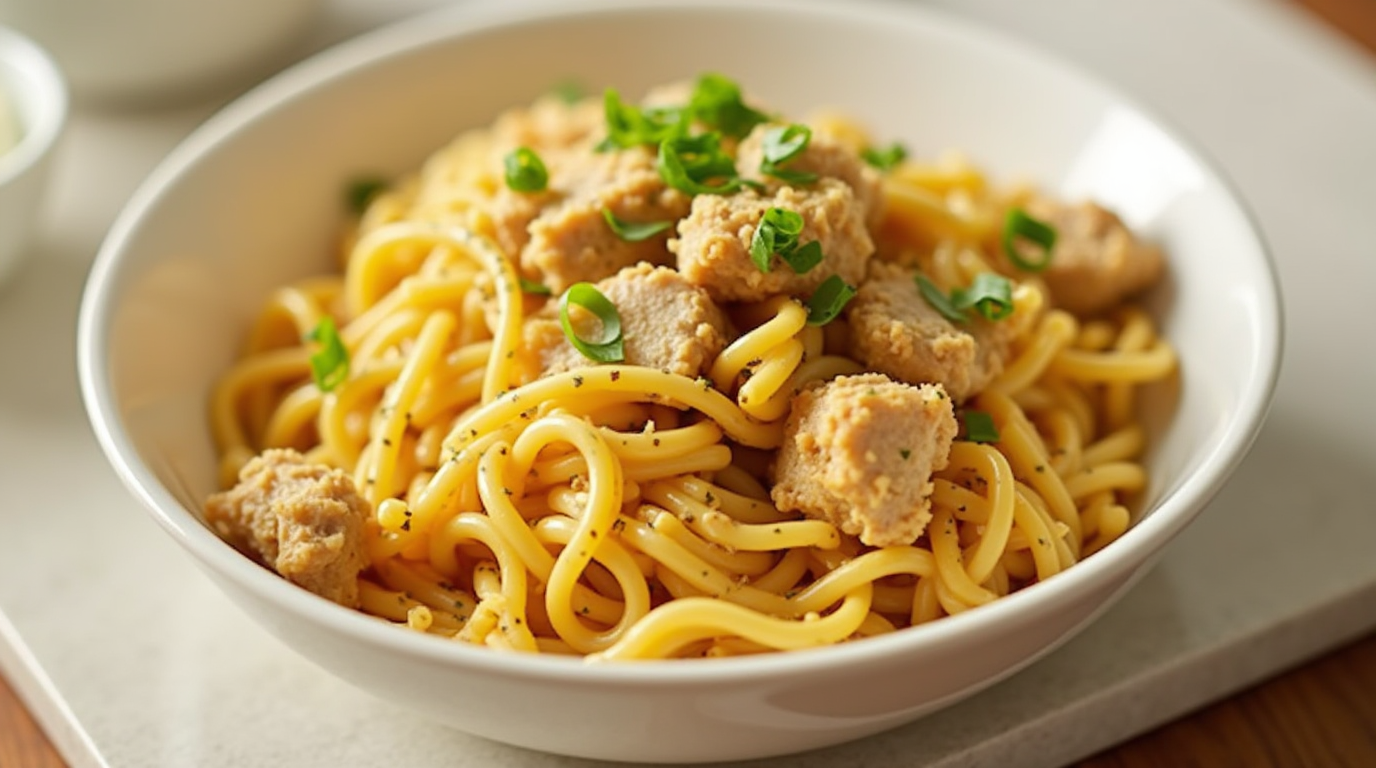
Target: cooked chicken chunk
(823,156)
(713,244)
(1096,262)
(666,323)
(559,234)
(551,124)
(556,132)
(895,331)
(673,94)
(859,451)
(571,241)
(305,521)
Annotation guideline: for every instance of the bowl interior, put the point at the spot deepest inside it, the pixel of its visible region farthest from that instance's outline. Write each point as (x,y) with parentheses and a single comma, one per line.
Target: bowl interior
(254,199)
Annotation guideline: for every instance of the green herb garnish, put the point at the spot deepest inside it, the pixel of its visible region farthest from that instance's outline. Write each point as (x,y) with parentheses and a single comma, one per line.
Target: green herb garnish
(330,363)
(778,234)
(828,300)
(361,192)
(629,126)
(691,163)
(784,143)
(804,257)
(939,301)
(717,103)
(1017,225)
(778,231)
(781,145)
(534,288)
(980,427)
(990,295)
(885,159)
(525,172)
(607,346)
(632,231)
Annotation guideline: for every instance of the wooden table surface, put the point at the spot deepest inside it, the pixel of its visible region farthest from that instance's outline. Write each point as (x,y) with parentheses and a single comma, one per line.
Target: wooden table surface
(1321,714)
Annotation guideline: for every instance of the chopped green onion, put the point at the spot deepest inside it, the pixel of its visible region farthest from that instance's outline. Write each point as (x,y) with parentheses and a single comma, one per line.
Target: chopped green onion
(717,103)
(525,172)
(569,91)
(777,233)
(534,288)
(781,145)
(629,126)
(790,177)
(990,295)
(689,163)
(361,192)
(828,300)
(1018,225)
(606,347)
(980,427)
(762,249)
(784,143)
(804,257)
(622,120)
(665,122)
(631,231)
(330,363)
(939,301)
(703,157)
(885,159)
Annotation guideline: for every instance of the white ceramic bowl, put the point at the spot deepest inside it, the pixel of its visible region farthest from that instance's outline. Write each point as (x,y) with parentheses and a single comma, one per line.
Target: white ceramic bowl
(252,200)
(33,104)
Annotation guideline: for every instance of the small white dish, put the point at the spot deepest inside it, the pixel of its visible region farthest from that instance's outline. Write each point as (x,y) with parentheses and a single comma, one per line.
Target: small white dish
(252,200)
(33,111)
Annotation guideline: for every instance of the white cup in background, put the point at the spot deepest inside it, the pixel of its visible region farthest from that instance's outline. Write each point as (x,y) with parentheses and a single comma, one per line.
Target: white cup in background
(34,111)
(143,51)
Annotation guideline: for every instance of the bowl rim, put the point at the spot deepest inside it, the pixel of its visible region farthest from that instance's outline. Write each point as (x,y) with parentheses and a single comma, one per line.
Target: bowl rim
(1134,551)
(44,101)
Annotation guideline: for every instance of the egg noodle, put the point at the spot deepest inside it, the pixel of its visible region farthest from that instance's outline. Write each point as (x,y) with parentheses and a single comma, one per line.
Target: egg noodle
(622,512)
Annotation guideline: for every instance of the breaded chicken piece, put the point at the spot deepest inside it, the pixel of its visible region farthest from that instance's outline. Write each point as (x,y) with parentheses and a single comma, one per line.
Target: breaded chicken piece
(666,324)
(713,244)
(303,520)
(1096,262)
(558,234)
(895,331)
(570,241)
(859,452)
(824,156)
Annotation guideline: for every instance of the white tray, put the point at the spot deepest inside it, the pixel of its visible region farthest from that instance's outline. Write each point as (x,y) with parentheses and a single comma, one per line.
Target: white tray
(129,657)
